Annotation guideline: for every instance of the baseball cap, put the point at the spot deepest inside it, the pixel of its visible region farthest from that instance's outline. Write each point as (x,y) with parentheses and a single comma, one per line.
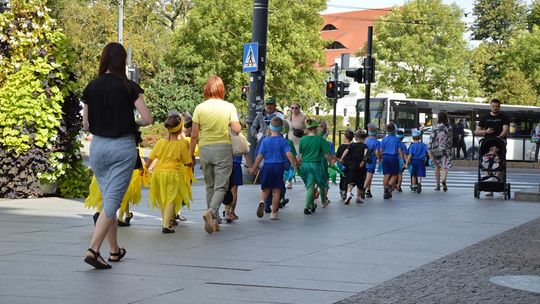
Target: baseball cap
(270,100)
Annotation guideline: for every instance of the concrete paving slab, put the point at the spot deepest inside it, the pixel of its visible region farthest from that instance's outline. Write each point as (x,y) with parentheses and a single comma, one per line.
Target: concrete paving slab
(322,258)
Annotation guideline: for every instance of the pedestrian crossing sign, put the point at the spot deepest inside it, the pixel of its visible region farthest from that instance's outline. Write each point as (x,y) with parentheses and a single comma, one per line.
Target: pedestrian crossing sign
(250,59)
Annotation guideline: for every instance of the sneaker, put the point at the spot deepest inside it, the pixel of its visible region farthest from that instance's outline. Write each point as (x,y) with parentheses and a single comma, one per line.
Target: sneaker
(227,216)
(349,197)
(288,185)
(208,221)
(419,188)
(306,211)
(313,208)
(414,188)
(128,219)
(260,209)
(283,202)
(362,195)
(368,194)
(326,203)
(123,224)
(359,200)
(167,230)
(274,216)
(343,194)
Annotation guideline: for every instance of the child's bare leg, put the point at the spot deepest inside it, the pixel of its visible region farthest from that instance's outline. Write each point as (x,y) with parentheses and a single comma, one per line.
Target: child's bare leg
(367,183)
(276,195)
(264,194)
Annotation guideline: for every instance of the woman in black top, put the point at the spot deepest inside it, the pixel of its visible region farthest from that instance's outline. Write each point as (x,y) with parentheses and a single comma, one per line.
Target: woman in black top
(109,102)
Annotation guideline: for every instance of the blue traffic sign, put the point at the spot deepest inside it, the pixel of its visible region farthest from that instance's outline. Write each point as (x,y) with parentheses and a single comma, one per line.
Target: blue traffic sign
(250,60)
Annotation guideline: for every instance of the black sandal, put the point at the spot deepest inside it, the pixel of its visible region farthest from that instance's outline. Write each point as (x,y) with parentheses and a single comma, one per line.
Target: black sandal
(128,218)
(120,254)
(94,261)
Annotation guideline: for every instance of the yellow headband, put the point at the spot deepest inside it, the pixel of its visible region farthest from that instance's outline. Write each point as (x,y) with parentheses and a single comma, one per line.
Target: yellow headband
(176,129)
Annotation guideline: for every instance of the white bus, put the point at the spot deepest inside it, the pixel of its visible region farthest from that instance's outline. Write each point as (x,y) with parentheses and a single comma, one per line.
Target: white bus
(412,113)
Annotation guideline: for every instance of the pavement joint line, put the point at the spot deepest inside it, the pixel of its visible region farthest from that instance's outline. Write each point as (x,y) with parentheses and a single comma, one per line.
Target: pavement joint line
(277,287)
(18,252)
(201,266)
(159,295)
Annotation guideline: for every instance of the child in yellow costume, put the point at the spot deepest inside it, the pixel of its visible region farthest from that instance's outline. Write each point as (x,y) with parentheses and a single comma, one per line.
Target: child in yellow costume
(169,189)
(140,177)
(190,177)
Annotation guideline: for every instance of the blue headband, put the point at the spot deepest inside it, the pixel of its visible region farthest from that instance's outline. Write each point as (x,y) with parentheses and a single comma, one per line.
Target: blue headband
(275,129)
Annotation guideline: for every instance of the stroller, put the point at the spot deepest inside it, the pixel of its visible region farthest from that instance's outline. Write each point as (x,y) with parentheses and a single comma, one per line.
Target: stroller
(492,165)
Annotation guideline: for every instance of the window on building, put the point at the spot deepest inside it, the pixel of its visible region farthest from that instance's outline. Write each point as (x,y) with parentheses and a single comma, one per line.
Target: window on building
(329,27)
(335,45)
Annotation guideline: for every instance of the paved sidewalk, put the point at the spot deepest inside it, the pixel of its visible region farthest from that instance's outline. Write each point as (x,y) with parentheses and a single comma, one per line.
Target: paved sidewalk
(321,258)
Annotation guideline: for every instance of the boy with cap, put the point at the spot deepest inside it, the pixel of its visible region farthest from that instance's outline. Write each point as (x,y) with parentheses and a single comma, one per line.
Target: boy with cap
(417,159)
(391,151)
(373,155)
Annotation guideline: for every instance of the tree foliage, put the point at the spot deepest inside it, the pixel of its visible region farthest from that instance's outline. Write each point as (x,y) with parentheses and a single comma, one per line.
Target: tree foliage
(421,51)
(211,42)
(497,20)
(91,24)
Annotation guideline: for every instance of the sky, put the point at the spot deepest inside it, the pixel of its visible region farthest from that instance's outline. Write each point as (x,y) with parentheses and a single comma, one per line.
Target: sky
(337,6)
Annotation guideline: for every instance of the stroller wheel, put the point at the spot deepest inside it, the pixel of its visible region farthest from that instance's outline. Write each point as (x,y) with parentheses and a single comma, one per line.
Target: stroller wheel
(476,191)
(508,191)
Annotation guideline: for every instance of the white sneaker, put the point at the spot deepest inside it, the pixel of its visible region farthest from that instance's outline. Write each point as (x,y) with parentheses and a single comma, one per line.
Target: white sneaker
(349,197)
(288,185)
(273,216)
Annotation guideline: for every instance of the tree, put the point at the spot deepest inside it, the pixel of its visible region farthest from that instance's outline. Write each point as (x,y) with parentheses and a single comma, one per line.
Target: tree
(497,20)
(91,24)
(534,16)
(515,88)
(211,42)
(172,10)
(421,52)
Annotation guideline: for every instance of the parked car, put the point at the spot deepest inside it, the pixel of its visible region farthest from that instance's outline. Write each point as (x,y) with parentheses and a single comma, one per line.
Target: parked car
(472,151)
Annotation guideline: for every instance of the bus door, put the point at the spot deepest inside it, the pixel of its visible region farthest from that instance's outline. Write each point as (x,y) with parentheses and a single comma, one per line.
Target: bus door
(404,114)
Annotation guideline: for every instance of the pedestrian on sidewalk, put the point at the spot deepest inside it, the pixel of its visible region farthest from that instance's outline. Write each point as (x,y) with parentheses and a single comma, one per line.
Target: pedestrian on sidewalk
(169,188)
(401,134)
(275,151)
(133,195)
(494,124)
(535,137)
(416,159)
(461,146)
(344,181)
(213,121)
(354,159)
(188,170)
(440,145)
(373,155)
(312,149)
(297,124)
(109,102)
(236,179)
(391,152)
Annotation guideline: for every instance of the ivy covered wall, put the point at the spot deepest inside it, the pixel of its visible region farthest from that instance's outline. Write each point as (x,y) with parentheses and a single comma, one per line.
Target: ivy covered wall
(39,112)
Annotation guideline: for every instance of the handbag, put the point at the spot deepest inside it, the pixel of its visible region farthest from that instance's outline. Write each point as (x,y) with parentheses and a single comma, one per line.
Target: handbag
(240,144)
(298,132)
(437,153)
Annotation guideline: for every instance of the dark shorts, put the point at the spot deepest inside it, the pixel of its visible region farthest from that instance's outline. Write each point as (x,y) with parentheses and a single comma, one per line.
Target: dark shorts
(390,164)
(236,175)
(370,168)
(272,176)
(418,168)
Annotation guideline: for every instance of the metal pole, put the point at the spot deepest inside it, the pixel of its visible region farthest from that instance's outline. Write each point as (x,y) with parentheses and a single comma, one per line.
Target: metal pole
(335,103)
(120,21)
(368,68)
(259,33)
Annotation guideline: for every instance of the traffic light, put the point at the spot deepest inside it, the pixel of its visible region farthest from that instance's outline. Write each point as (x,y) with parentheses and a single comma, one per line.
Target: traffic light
(357,75)
(369,73)
(343,89)
(244,92)
(331,89)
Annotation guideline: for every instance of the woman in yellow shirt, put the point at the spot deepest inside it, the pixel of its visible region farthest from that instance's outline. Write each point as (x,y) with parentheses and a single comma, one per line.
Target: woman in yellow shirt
(169,189)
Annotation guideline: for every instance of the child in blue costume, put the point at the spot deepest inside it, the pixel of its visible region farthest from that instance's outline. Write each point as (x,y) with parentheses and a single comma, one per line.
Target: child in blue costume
(231,196)
(400,134)
(374,146)
(275,151)
(391,151)
(417,159)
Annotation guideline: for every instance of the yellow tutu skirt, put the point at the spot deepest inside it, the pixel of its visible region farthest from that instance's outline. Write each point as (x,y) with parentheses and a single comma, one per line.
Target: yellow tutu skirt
(169,187)
(133,193)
